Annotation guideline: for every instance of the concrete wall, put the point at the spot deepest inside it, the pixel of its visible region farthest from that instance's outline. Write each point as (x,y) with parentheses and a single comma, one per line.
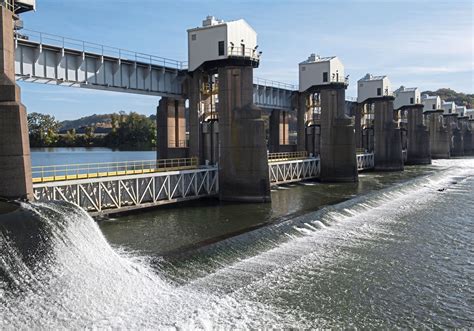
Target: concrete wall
(388,145)
(338,150)
(243,162)
(15,161)
(210,138)
(195,130)
(455,134)
(418,137)
(278,131)
(171,129)
(439,134)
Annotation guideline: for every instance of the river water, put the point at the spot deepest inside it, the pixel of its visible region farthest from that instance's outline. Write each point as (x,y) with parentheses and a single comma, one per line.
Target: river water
(394,250)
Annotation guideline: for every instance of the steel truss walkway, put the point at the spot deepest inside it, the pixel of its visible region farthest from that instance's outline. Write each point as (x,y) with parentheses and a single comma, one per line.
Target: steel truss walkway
(123,193)
(122,186)
(51,59)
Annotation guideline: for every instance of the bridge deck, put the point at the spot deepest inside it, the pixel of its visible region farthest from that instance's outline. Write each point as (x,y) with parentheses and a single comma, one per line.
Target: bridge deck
(51,59)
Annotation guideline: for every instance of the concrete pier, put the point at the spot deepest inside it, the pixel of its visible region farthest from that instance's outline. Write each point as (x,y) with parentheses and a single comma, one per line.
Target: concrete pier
(439,134)
(387,144)
(466,134)
(194,82)
(313,139)
(471,123)
(455,134)
(243,162)
(358,124)
(15,161)
(279,132)
(171,129)
(418,136)
(300,122)
(338,146)
(210,141)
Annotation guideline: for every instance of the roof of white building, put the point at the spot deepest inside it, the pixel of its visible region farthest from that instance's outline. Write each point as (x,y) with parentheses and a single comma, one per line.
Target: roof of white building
(429,97)
(212,21)
(406,89)
(369,77)
(313,58)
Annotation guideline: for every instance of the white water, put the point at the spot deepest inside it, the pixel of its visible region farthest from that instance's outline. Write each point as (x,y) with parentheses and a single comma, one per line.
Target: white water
(76,280)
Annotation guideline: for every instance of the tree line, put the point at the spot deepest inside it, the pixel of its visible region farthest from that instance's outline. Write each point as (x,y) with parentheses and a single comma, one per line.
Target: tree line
(130,130)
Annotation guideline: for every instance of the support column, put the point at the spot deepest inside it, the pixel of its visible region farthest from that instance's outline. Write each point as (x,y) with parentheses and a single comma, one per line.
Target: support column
(243,161)
(455,134)
(439,135)
(388,143)
(471,123)
(313,139)
(15,161)
(279,131)
(358,125)
(418,144)
(338,149)
(171,129)
(300,122)
(210,143)
(466,135)
(195,130)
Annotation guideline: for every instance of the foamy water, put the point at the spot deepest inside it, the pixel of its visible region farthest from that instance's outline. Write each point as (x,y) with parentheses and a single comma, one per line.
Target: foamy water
(401,256)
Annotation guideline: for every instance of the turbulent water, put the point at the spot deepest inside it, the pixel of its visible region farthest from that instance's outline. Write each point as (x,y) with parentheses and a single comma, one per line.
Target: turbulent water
(401,256)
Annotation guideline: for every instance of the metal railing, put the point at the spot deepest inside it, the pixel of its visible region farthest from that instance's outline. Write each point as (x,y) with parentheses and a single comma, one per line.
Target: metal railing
(272,83)
(365,161)
(42,174)
(177,144)
(276,157)
(99,49)
(243,52)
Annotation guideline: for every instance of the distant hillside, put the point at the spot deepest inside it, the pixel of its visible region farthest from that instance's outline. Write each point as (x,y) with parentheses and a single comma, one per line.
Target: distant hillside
(92,120)
(450,95)
(95,120)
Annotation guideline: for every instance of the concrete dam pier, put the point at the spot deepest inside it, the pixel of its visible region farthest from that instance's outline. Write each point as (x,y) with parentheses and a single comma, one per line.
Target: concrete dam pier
(15,161)
(243,162)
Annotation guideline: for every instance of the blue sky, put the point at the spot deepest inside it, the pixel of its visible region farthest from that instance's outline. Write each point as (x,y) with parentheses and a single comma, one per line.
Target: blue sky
(427,43)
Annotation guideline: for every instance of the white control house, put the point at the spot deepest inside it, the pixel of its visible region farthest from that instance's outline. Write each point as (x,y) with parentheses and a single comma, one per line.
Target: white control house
(449,107)
(431,102)
(461,110)
(217,40)
(371,86)
(406,96)
(316,71)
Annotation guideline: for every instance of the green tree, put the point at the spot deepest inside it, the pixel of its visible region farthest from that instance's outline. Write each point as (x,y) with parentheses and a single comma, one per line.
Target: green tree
(132,131)
(70,138)
(43,130)
(89,135)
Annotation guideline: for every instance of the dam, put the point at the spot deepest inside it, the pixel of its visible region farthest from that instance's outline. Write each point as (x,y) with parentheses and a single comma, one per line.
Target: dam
(265,204)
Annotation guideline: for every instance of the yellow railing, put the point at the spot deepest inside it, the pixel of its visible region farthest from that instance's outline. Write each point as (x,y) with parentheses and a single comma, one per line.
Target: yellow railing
(275,157)
(42,174)
(177,144)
